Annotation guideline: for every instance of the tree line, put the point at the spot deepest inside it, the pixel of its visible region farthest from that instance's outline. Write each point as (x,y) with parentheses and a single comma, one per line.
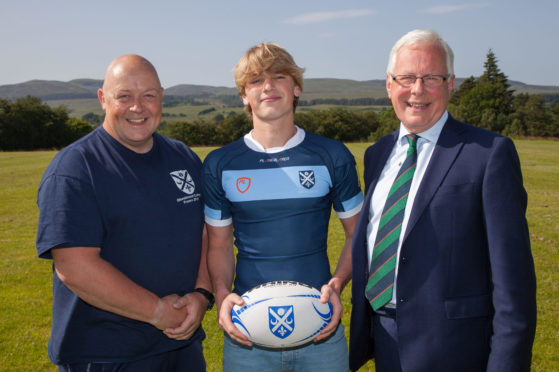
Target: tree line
(486,101)
(336,123)
(29,124)
(233,100)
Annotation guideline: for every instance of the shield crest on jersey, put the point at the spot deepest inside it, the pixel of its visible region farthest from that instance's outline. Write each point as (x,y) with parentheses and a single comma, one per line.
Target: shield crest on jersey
(184,181)
(306,178)
(243,183)
(281,320)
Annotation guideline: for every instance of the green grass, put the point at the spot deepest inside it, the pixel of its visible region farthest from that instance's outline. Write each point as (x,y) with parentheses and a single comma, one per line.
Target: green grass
(78,107)
(185,112)
(540,166)
(325,107)
(25,291)
(25,280)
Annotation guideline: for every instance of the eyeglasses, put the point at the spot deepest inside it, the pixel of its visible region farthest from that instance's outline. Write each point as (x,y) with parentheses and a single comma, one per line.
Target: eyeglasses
(430,81)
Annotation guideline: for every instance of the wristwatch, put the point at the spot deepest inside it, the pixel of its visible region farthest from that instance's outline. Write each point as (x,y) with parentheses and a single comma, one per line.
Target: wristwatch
(209,296)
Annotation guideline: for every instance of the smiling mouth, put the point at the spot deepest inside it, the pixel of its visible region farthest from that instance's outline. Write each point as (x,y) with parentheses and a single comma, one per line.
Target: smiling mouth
(417,105)
(137,121)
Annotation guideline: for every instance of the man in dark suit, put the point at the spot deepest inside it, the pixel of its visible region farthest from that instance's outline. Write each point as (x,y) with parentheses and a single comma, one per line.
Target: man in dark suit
(443,275)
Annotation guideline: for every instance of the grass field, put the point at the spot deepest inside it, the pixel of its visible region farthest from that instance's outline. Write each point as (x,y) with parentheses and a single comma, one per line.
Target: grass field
(25,280)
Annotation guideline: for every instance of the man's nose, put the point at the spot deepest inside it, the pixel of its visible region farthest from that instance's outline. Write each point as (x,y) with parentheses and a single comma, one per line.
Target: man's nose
(136,106)
(417,86)
(268,83)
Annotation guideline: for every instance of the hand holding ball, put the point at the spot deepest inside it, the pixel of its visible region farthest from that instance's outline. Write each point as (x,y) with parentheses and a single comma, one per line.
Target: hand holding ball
(281,314)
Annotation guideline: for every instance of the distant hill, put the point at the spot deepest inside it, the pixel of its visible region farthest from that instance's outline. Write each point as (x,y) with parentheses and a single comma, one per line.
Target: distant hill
(313,88)
(343,88)
(51,89)
(197,90)
(89,84)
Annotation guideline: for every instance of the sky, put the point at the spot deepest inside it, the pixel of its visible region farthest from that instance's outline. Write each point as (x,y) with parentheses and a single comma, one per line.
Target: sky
(200,41)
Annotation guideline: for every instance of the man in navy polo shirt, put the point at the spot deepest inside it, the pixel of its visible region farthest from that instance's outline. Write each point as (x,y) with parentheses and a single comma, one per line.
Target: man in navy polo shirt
(121,215)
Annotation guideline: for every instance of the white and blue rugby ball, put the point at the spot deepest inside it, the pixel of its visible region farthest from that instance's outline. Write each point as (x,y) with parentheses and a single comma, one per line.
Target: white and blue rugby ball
(281,314)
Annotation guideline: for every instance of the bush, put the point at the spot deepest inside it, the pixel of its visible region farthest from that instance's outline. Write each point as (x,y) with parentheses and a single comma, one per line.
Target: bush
(29,124)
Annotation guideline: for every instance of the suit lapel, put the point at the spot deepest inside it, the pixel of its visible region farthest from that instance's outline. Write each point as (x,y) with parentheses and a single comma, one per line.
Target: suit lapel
(446,150)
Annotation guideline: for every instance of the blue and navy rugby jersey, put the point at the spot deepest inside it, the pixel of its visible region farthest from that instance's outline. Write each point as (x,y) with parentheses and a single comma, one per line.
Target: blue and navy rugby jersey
(279,204)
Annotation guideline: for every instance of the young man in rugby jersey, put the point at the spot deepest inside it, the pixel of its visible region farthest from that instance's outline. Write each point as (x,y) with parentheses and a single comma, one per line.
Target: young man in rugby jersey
(271,193)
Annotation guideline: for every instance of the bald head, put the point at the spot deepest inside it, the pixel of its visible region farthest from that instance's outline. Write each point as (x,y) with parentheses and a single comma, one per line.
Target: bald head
(126,65)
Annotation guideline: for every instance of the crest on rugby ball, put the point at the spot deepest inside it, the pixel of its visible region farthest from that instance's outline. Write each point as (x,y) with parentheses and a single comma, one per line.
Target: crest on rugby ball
(281,320)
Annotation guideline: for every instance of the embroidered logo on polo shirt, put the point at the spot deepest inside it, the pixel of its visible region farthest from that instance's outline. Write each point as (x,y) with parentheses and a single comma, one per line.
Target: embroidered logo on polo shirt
(183,181)
(243,184)
(306,178)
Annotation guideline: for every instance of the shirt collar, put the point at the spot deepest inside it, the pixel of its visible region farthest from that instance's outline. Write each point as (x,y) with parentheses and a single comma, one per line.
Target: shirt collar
(297,138)
(431,135)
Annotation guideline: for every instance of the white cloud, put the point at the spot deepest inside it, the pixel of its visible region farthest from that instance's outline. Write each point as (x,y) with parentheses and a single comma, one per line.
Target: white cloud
(317,17)
(443,9)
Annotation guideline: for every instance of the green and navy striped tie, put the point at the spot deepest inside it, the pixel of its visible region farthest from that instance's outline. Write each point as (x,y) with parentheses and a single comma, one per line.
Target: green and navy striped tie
(383,264)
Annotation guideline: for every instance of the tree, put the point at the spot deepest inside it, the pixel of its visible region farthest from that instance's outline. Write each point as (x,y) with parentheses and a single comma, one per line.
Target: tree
(94,119)
(531,117)
(4,130)
(388,123)
(338,123)
(555,115)
(218,117)
(503,96)
(486,101)
(555,122)
(29,124)
(306,121)
(77,129)
(464,88)
(232,128)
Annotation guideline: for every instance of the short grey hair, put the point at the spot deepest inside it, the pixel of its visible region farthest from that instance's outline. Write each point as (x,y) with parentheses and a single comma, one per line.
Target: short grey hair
(422,37)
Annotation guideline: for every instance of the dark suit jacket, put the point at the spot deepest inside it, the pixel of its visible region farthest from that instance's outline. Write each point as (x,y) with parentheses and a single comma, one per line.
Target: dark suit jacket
(466,284)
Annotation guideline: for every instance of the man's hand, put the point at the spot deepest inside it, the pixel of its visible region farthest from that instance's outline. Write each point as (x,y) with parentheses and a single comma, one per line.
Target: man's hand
(224,318)
(328,293)
(166,315)
(195,305)
(100,284)
(332,291)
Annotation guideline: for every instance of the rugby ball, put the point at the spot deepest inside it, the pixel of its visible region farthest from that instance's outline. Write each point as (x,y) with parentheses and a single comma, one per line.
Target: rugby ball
(281,314)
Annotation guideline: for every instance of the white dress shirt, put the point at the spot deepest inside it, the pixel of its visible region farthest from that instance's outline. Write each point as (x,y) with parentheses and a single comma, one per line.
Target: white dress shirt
(425,146)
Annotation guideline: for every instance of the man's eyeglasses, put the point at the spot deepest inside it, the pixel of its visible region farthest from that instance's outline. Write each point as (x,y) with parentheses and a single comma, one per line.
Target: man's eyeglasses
(430,81)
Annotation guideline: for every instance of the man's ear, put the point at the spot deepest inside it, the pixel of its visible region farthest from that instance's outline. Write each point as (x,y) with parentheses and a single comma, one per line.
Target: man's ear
(450,84)
(297,91)
(101,98)
(388,84)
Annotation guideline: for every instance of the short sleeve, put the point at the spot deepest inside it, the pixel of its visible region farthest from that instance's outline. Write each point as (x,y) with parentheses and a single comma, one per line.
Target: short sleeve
(68,215)
(347,195)
(217,208)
